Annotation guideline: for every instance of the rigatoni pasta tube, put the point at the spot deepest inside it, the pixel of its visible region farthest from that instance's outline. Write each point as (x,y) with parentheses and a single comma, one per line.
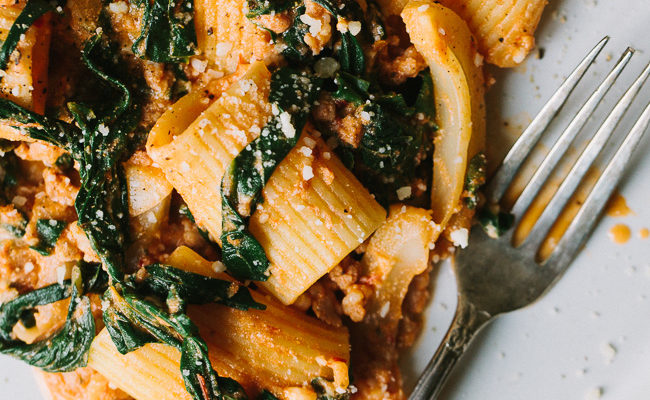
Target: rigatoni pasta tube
(504,28)
(273,349)
(25,79)
(315,211)
(445,42)
(225,35)
(396,253)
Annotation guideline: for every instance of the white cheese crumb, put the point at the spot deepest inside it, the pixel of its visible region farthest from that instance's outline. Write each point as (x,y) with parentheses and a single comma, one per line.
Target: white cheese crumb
(354,27)
(111,386)
(519,56)
(309,142)
(223,49)
(288,129)
(103,129)
(300,207)
(460,237)
(423,8)
(307,172)
(118,7)
(315,25)
(28,267)
(60,274)
(608,351)
(327,155)
(383,311)
(185,167)
(478,59)
(199,65)
(594,394)
(365,116)
(404,192)
(218,266)
(442,31)
(305,151)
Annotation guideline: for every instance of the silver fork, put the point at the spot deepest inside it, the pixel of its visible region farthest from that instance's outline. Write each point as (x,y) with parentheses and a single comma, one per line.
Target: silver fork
(493,276)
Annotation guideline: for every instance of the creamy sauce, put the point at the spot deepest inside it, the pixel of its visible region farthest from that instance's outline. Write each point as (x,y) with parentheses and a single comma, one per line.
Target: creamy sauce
(620,233)
(617,206)
(644,233)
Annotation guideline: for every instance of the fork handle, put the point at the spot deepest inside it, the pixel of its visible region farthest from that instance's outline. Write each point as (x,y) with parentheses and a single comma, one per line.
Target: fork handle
(466,323)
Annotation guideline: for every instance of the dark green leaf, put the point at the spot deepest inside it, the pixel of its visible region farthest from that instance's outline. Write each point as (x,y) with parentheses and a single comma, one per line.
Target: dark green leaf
(295,48)
(474,179)
(292,93)
(266,395)
(351,55)
(265,7)
(495,223)
(64,162)
(231,389)
(32,11)
(201,381)
(67,349)
(325,390)
(351,88)
(197,289)
(48,232)
(425,103)
(167,31)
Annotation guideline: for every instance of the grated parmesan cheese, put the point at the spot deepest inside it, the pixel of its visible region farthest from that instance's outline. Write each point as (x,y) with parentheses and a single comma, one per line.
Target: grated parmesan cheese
(307,172)
(460,237)
(404,192)
(285,121)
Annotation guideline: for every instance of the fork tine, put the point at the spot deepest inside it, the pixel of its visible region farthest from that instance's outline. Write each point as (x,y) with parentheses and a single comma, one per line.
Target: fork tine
(579,170)
(531,135)
(562,144)
(587,217)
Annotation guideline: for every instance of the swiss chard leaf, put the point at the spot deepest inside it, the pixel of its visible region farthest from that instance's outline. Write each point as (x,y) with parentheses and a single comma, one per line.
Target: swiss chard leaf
(257,8)
(67,349)
(167,31)
(474,180)
(266,395)
(133,321)
(495,223)
(295,48)
(196,289)
(325,390)
(32,11)
(48,232)
(292,94)
(351,88)
(351,55)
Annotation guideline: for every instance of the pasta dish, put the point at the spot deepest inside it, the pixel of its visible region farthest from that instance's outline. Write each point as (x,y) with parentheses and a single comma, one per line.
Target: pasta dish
(231,199)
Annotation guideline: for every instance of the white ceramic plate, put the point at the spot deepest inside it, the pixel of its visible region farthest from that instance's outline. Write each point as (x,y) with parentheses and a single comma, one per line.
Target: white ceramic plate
(557,348)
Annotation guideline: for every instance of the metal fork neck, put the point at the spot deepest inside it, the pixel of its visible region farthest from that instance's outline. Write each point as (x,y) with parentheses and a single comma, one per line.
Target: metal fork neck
(467,321)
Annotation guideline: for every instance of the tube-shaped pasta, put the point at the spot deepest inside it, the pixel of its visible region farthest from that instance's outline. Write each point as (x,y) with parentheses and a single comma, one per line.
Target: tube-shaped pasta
(225,35)
(314,212)
(446,43)
(25,79)
(273,349)
(396,253)
(504,28)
